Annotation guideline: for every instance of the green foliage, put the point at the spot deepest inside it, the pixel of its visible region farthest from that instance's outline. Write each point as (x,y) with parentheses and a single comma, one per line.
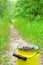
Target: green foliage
(3,7)
(4,58)
(29,14)
(31,31)
(4,31)
(28,9)
(4,39)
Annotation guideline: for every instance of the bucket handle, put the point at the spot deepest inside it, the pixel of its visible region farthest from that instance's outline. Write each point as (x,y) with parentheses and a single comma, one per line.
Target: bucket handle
(20,56)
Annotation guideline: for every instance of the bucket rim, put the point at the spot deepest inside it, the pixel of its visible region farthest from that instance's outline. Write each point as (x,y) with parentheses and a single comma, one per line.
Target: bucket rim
(29,51)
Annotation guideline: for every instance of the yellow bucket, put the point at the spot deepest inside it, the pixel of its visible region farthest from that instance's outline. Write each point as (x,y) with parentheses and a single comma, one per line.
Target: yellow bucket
(27,57)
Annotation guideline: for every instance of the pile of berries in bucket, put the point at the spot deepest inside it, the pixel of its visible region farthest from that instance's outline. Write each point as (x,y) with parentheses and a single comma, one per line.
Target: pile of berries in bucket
(27,48)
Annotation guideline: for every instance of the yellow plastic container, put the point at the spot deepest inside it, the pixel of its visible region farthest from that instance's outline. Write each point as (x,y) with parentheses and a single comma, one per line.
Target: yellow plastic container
(32,58)
(27,57)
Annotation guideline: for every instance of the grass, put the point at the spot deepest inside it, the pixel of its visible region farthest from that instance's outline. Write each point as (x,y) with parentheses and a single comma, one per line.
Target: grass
(32,31)
(4,31)
(4,39)
(4,58)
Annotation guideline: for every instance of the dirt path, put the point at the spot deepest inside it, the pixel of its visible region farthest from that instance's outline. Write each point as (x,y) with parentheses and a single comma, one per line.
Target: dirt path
(15,40)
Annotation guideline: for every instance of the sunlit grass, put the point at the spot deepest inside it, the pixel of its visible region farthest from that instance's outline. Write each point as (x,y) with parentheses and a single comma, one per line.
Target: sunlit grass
(4,40)
(32,31)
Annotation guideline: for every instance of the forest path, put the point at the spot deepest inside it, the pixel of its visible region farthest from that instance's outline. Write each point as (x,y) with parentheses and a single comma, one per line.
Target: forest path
(15,40)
